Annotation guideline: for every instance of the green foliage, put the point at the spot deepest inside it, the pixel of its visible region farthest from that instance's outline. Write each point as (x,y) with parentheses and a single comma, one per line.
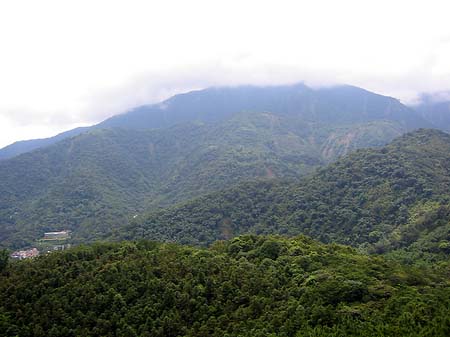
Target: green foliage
(378,199)
(248,286)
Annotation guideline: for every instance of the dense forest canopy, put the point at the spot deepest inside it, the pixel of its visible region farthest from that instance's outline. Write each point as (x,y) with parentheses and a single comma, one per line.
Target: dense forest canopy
(248,286)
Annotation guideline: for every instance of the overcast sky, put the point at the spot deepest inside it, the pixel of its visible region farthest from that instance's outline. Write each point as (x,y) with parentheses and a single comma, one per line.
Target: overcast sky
(70,63)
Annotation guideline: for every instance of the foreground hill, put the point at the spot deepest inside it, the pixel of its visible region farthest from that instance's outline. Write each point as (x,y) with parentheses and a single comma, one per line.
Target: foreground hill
(338,105)
(379,199)
(249,286)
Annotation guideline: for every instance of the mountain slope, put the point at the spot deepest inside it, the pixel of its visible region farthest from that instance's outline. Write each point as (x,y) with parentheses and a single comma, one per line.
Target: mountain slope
(379,199)
(191,144)
(95,182)
(249,286)
(336,105)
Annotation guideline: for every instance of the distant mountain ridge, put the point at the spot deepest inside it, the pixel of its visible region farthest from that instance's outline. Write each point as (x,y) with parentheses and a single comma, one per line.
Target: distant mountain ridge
(339,104)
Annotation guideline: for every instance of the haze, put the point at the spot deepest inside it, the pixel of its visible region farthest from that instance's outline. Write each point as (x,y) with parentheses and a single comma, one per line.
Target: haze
(70,63)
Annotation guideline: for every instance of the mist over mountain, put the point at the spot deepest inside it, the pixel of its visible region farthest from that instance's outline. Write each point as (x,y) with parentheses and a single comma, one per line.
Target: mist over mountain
(436,109)
(339,105)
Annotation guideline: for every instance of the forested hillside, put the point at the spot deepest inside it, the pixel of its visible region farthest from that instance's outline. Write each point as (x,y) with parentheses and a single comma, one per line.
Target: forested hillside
(249,286)
(378,199)
(94,183)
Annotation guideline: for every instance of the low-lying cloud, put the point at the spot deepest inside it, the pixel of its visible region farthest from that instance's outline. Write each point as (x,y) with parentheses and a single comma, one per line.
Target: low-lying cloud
(153,87)
(64,65)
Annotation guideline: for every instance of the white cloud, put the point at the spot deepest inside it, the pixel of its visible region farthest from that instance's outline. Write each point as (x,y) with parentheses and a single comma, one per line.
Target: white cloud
(65,63)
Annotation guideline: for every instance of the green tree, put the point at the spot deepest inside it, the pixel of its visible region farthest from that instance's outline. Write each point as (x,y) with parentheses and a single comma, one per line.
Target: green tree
(4,259)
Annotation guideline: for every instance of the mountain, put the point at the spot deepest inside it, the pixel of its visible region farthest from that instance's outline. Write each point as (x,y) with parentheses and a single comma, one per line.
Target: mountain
(378,199)
(334,105)
(95,182)
(248,286)
(339,104)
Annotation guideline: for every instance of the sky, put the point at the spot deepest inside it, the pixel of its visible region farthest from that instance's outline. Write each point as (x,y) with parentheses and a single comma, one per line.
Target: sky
(70,63)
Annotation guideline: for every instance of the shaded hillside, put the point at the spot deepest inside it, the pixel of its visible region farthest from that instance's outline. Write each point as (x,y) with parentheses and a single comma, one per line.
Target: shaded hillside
(437,113)
(340,105)
(249,286)
(379,199)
